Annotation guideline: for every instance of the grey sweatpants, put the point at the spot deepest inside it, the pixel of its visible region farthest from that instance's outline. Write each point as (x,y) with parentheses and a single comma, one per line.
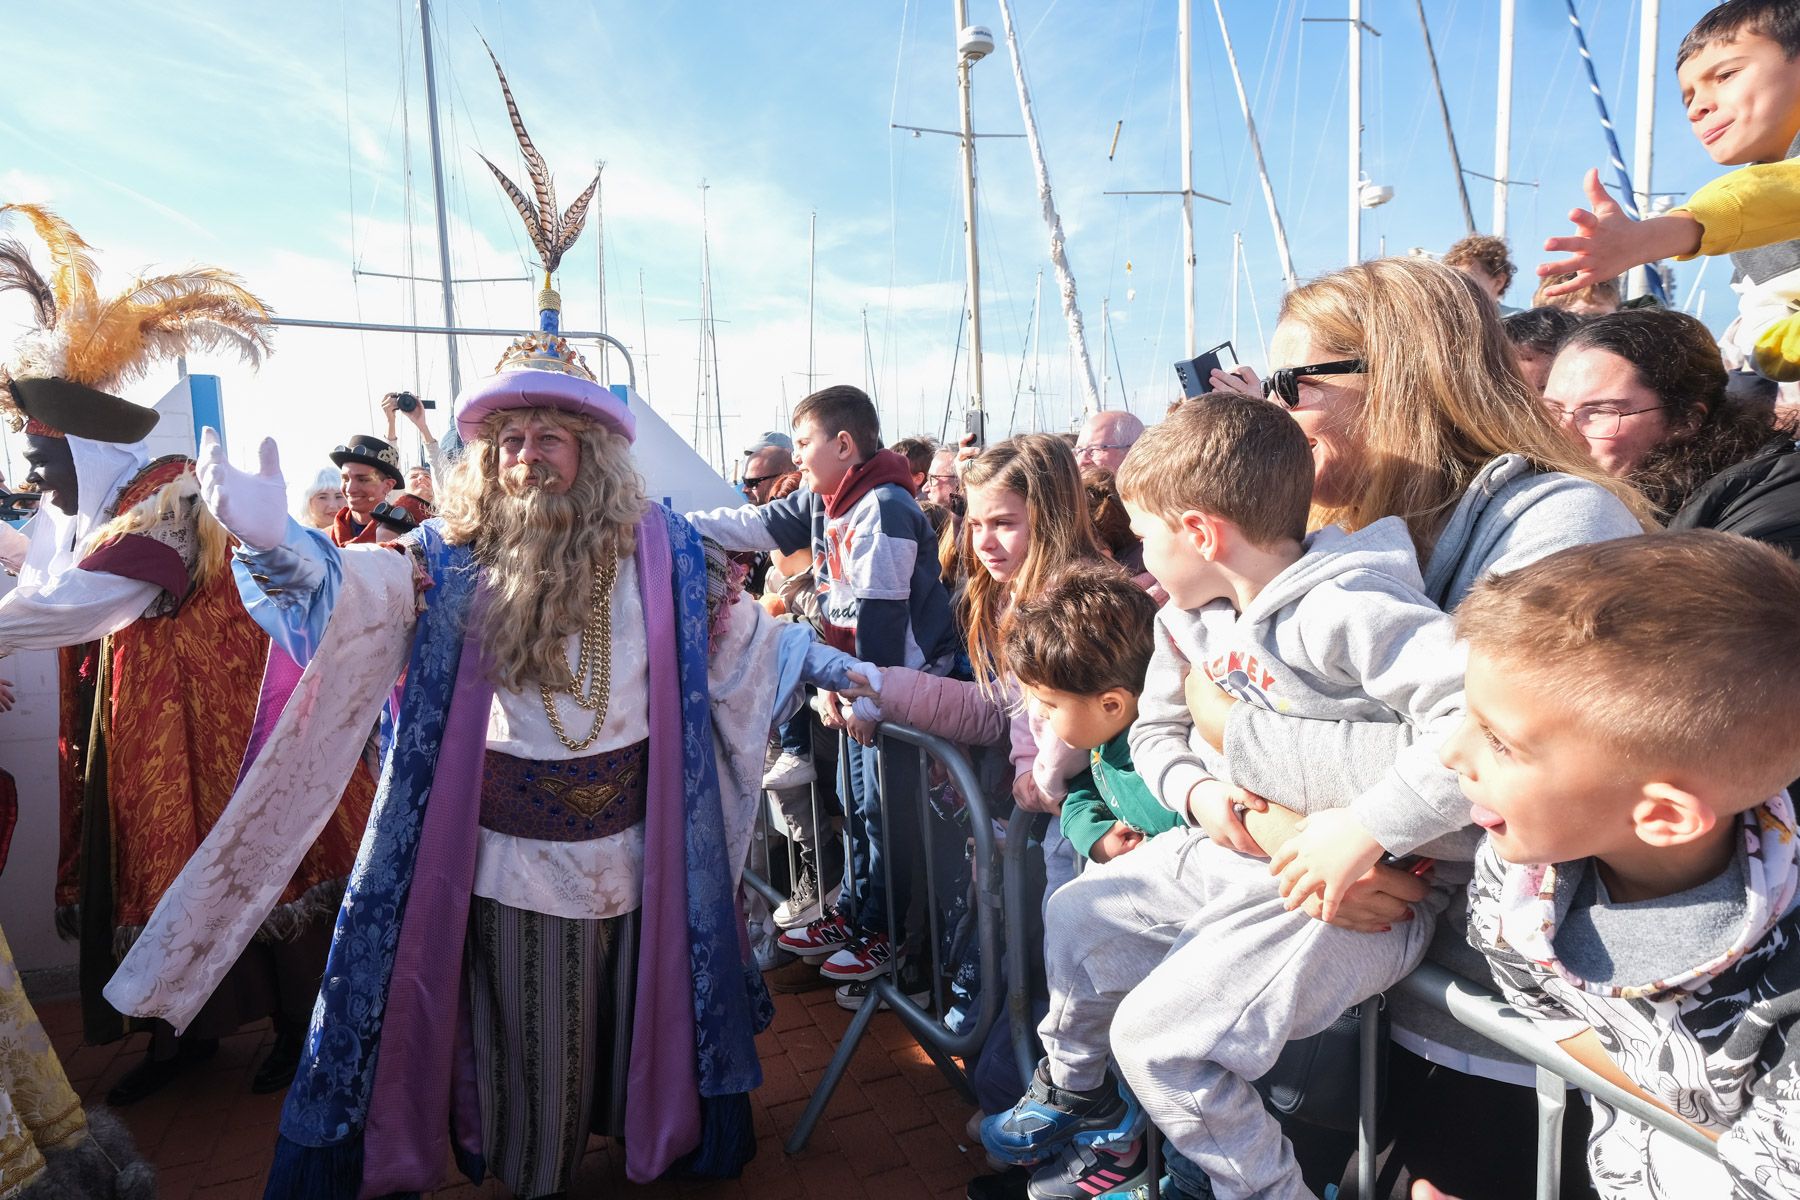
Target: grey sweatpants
(1179,958)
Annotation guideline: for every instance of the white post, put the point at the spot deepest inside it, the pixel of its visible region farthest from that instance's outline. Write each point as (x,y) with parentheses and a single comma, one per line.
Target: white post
(1262,168)
(1356,126)
(1503,117)
(437,186)
(812,275)
(964,96)
(1185,31)
(600,257)
(1237,259)
(1643,158)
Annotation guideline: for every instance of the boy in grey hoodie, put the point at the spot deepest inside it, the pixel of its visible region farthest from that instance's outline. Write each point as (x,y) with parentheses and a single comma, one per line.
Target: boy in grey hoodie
(1628,738)
(1191,966)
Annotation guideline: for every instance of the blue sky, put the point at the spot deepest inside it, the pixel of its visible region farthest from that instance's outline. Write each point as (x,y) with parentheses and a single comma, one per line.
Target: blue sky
(274,140)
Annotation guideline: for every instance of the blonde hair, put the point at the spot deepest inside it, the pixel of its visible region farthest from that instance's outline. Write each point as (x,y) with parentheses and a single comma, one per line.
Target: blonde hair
(1442,397)
(1674,650)
(168,505)
(1040,469)
(541,549)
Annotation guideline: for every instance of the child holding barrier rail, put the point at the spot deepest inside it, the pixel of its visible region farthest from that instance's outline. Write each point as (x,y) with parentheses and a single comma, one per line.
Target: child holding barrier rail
(1628,740)
(1185,959)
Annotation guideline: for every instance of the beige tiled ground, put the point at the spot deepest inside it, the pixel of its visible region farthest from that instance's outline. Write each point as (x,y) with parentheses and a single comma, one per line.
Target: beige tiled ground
(893,1130)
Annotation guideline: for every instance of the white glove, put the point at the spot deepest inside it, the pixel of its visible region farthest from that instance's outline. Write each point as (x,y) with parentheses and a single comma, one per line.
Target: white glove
(252,508)
(865,708)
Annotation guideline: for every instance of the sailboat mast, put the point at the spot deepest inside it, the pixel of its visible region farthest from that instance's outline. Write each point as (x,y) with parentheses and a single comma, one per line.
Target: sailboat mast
(1262,167)
(812,276)
(1437,83)
(1503,116)
(964,88)
(1356,131)
(1643,158)
(1185,32)
(1037,351)
(437,188)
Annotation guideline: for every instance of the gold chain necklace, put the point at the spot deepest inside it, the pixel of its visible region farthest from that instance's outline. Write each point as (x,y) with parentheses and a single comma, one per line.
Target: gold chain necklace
(590,682)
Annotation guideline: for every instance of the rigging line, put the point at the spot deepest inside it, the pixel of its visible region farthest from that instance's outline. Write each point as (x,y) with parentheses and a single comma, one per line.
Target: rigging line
(1328,127)
(408,199)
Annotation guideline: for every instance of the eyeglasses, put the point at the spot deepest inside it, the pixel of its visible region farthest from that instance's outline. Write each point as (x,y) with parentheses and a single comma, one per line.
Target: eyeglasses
(1598,421)
(1093,446)
(1284,385)
(943,478)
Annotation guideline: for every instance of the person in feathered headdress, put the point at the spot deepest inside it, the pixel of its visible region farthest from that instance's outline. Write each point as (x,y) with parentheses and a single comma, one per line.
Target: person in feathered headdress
(125,573)
(542,939)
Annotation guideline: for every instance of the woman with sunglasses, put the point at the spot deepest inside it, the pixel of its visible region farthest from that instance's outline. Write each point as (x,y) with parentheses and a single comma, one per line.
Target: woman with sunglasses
(1643,392)
(1403,380)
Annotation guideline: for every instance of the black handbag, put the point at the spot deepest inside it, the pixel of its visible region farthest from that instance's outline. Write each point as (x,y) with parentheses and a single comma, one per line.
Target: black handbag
(1316,1079)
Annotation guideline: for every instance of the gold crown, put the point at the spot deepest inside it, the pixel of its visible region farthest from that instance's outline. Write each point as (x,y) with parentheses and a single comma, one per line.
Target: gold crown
(545,352)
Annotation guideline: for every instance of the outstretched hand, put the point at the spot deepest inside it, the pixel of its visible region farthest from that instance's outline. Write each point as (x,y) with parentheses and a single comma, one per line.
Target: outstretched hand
(252,507)
(1607,243)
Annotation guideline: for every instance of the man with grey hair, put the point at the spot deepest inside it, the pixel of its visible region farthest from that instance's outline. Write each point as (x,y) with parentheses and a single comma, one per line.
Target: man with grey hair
(943,484)
(1105,437)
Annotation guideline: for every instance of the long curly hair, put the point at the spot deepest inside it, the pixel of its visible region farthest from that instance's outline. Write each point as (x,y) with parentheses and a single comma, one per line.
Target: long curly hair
(1676,359)
(540,549)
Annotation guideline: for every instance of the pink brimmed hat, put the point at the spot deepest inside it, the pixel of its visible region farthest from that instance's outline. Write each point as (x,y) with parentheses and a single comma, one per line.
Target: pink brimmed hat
(542,370)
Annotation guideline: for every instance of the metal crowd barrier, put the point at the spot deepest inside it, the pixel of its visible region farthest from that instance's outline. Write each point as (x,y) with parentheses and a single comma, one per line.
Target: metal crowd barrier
(1474,1007)
(1485,1013)
(1002,904)
(939,1042)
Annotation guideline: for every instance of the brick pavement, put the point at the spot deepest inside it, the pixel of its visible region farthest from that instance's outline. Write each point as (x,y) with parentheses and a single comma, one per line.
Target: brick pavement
(894,1129)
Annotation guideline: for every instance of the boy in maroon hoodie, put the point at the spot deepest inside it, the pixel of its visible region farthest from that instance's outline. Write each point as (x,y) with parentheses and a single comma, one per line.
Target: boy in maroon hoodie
(881,599)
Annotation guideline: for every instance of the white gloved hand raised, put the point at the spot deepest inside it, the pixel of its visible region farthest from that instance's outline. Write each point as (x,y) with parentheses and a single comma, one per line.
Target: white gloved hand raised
(253,508)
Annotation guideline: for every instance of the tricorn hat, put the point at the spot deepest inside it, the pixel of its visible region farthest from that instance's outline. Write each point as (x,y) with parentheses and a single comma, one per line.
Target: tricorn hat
(373,452)
(59,379)
(541,369)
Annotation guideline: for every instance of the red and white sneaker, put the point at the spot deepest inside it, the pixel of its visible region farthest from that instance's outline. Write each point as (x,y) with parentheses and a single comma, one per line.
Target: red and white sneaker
(863,957)
(821,936)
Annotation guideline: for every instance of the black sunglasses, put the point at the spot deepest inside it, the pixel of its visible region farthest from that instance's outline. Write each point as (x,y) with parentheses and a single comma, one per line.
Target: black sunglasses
(1284,384)
(754,481)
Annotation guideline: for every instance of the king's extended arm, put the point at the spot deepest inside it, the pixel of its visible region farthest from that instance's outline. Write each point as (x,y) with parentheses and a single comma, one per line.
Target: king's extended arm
(288,575)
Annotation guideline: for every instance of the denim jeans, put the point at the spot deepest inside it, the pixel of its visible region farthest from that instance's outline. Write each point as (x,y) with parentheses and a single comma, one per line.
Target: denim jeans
(883,845)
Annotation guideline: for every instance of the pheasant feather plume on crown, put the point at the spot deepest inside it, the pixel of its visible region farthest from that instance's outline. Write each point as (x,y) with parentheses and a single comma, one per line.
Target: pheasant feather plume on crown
(552,234)
(105,343)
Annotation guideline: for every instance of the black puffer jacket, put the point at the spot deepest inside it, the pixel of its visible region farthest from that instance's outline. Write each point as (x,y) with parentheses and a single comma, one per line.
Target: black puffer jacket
(1758,498)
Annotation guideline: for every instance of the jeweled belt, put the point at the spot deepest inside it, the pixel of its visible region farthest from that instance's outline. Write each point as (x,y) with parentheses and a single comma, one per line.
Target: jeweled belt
(573,800)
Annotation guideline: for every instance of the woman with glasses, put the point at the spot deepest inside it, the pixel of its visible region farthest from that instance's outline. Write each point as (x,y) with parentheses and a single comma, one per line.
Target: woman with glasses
(1403,380)
(1643,392)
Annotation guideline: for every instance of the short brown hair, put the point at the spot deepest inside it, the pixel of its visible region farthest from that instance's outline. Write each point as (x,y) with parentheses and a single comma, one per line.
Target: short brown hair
(1777,20)
(1228,455)
(1089,630)
(843,409)
(917,452)
(1676,649)
(1486,251)
(1604,292)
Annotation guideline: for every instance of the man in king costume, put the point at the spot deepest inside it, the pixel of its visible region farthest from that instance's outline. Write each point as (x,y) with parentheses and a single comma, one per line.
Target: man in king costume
(125,573)
(540,940)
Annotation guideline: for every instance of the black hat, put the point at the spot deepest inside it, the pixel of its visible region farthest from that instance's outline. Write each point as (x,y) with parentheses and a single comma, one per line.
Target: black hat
(63,407)
(372,452)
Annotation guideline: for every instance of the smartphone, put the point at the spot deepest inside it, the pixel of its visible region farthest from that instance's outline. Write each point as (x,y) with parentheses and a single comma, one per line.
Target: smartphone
(1196,373)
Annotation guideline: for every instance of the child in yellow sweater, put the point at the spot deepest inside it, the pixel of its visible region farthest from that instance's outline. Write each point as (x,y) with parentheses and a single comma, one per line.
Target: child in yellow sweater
(1740,81)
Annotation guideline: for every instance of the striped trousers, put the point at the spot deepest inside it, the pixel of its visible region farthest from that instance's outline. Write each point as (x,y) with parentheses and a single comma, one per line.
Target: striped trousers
(550,1005)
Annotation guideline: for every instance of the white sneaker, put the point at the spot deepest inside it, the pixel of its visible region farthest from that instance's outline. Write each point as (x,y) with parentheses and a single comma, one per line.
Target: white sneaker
(790,771)
(803,906)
